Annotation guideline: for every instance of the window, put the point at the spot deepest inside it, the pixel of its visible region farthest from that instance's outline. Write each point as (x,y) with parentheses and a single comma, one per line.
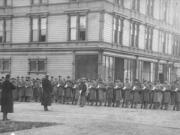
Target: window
(120,2)
(38,29)
(5,3)
(37,65)
(36,2)
(77,28)
(5,31)
(148,38)
(118,30)
(150,7)
(136,5)
(134,34)
(4,65)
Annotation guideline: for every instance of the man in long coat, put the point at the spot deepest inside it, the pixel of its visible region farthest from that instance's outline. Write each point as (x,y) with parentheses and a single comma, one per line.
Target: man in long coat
(7,97)
(46,93)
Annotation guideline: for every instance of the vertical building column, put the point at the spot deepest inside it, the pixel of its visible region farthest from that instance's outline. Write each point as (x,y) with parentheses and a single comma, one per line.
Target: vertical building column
(73,64)
(100,63)
(137,68)
(157,71)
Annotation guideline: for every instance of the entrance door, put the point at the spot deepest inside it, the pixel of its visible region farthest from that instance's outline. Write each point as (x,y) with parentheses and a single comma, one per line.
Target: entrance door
(119,69)
(86,66)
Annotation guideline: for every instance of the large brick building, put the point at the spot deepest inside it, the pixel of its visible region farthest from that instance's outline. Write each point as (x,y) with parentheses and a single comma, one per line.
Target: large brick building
(90,38)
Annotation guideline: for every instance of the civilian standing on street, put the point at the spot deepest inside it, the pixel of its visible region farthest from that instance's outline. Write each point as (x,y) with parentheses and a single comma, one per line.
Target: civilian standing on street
(7,97)
(46,94)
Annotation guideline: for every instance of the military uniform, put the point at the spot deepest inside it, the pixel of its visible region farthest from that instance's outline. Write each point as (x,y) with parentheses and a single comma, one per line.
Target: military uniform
(109,92)
(126,94)
(100,92)
(145,95)
(68,90)
(28,90)
(135,92)
(92,92)
(157,97)
(118,92)
(61,90)
(166,100)
(21,86)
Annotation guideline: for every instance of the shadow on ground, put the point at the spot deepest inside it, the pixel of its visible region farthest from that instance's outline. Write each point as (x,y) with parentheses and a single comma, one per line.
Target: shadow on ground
(11,126)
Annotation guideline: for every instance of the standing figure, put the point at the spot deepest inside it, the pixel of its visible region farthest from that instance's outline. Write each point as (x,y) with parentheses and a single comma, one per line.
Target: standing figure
(83,89)
(28,89)
(157,97)
(68,89)
(166,100)
(100,92)
(109,91)
(7,97)
(46,93)
(22,89)
(61,90)
(92,92)
(118,92)
(136,94)
(177,97)
(145,95)
(126,93)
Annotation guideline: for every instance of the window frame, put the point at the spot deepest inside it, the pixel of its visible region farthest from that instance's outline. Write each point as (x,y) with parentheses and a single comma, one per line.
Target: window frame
(77,27)
(5,31)
(37,71)
(40,2)
(134,34)
(2,70)
(39,29)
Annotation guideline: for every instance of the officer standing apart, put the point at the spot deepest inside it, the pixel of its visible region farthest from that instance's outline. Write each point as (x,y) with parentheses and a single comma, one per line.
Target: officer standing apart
(46,95)
(7,97)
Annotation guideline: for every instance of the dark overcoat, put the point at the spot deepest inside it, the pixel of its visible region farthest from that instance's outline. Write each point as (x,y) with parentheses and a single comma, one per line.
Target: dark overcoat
(46,93)
(7,97)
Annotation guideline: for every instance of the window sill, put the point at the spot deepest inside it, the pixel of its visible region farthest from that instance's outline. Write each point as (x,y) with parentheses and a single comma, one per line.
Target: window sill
(37,72)
(4,72)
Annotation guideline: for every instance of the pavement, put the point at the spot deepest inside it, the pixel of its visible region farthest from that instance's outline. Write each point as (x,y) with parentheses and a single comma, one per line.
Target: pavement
(92,120)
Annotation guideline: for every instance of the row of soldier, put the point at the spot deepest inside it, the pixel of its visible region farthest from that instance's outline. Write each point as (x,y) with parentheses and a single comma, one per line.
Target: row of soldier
(116,94)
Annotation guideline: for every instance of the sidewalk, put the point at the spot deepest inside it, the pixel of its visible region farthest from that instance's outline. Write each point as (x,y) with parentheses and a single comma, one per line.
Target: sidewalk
(91,120)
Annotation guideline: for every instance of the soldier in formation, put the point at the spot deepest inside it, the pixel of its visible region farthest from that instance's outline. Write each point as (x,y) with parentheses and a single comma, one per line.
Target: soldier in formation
(146,95)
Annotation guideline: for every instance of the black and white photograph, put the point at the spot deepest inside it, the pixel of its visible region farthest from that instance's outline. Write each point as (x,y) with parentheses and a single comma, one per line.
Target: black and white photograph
(89,67)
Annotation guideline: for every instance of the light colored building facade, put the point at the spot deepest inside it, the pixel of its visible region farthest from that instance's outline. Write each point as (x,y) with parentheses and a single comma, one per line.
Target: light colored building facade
(90,38)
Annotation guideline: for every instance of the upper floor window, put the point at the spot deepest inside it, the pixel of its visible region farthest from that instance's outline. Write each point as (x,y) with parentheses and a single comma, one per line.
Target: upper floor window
(77,27)
(150,7)
(134,34)
(37,65)
(38,29)
(5,3)
(148,38)
(5,65)
(119,2)
(118,30)
(36,2)
(136,5)
(5,33)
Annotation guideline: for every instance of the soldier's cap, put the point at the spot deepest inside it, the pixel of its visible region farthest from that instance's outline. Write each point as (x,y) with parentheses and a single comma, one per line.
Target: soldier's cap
(60,76)
(22,76)
(17,76)
(68,77)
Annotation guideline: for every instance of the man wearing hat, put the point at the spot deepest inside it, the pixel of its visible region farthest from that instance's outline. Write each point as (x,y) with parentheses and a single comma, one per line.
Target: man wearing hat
(46,93)
(83,89)
(7,97)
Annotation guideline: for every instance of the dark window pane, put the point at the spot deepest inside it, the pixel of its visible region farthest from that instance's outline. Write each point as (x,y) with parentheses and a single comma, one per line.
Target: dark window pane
(82,35)
(6,65)
(41,65)
(32,66)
